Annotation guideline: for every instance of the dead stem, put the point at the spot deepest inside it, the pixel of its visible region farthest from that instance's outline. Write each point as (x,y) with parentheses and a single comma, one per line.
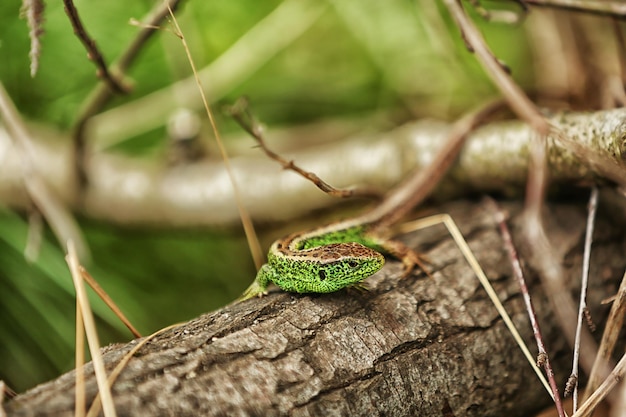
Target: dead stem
(423,180)
(584,284)
(93,52)
(543,359)
(513,94)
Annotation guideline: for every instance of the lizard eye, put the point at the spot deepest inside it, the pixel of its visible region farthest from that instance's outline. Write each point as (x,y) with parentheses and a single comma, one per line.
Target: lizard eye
(322,275)
(353,264)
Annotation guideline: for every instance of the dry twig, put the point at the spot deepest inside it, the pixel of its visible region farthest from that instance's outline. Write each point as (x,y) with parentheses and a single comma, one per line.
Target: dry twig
(240,111)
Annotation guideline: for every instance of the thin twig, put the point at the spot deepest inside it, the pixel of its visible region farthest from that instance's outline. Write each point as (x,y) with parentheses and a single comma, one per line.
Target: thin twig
(542,355)
(525,110)
(246,220)
(240,111)
(108,301)
(572,384)
(93,52)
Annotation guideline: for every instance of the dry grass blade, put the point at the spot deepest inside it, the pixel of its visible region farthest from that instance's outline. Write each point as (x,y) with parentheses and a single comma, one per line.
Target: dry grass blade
(57,216)
(279,29)
(79,407)
(619,408)
(90,329)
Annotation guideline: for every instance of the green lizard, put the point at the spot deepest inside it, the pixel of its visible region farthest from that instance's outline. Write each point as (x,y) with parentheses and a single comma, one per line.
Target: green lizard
(328,258)
(343,254)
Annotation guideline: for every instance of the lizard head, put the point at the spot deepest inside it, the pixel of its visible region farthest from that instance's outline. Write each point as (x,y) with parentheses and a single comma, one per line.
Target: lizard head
(340,265)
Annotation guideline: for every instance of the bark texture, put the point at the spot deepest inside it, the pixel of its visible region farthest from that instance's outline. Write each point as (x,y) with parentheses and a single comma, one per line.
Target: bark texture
(416,346)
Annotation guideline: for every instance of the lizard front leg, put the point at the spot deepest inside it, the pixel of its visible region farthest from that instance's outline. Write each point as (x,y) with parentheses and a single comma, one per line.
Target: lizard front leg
(410,259)
(259,287)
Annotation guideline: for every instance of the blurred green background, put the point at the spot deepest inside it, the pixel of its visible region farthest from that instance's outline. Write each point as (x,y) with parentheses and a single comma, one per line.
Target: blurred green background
(391,61)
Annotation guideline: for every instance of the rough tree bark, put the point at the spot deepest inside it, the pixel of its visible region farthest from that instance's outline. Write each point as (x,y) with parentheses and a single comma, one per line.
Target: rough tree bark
(407,347)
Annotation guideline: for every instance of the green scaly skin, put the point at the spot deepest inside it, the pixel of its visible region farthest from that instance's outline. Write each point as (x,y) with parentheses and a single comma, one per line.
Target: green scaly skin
(327,259)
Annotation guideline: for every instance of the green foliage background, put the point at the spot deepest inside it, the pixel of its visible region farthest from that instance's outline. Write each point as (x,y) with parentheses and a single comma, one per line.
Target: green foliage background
(386,59)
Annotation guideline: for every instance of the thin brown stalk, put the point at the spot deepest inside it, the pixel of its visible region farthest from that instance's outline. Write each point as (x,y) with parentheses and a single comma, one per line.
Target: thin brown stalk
(246,220)
(108,301)
(542,355)
(525,110)
(512,93)
(93,52)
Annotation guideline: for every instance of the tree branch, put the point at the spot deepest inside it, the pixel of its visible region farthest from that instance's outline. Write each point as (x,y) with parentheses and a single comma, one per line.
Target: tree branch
(412,346)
